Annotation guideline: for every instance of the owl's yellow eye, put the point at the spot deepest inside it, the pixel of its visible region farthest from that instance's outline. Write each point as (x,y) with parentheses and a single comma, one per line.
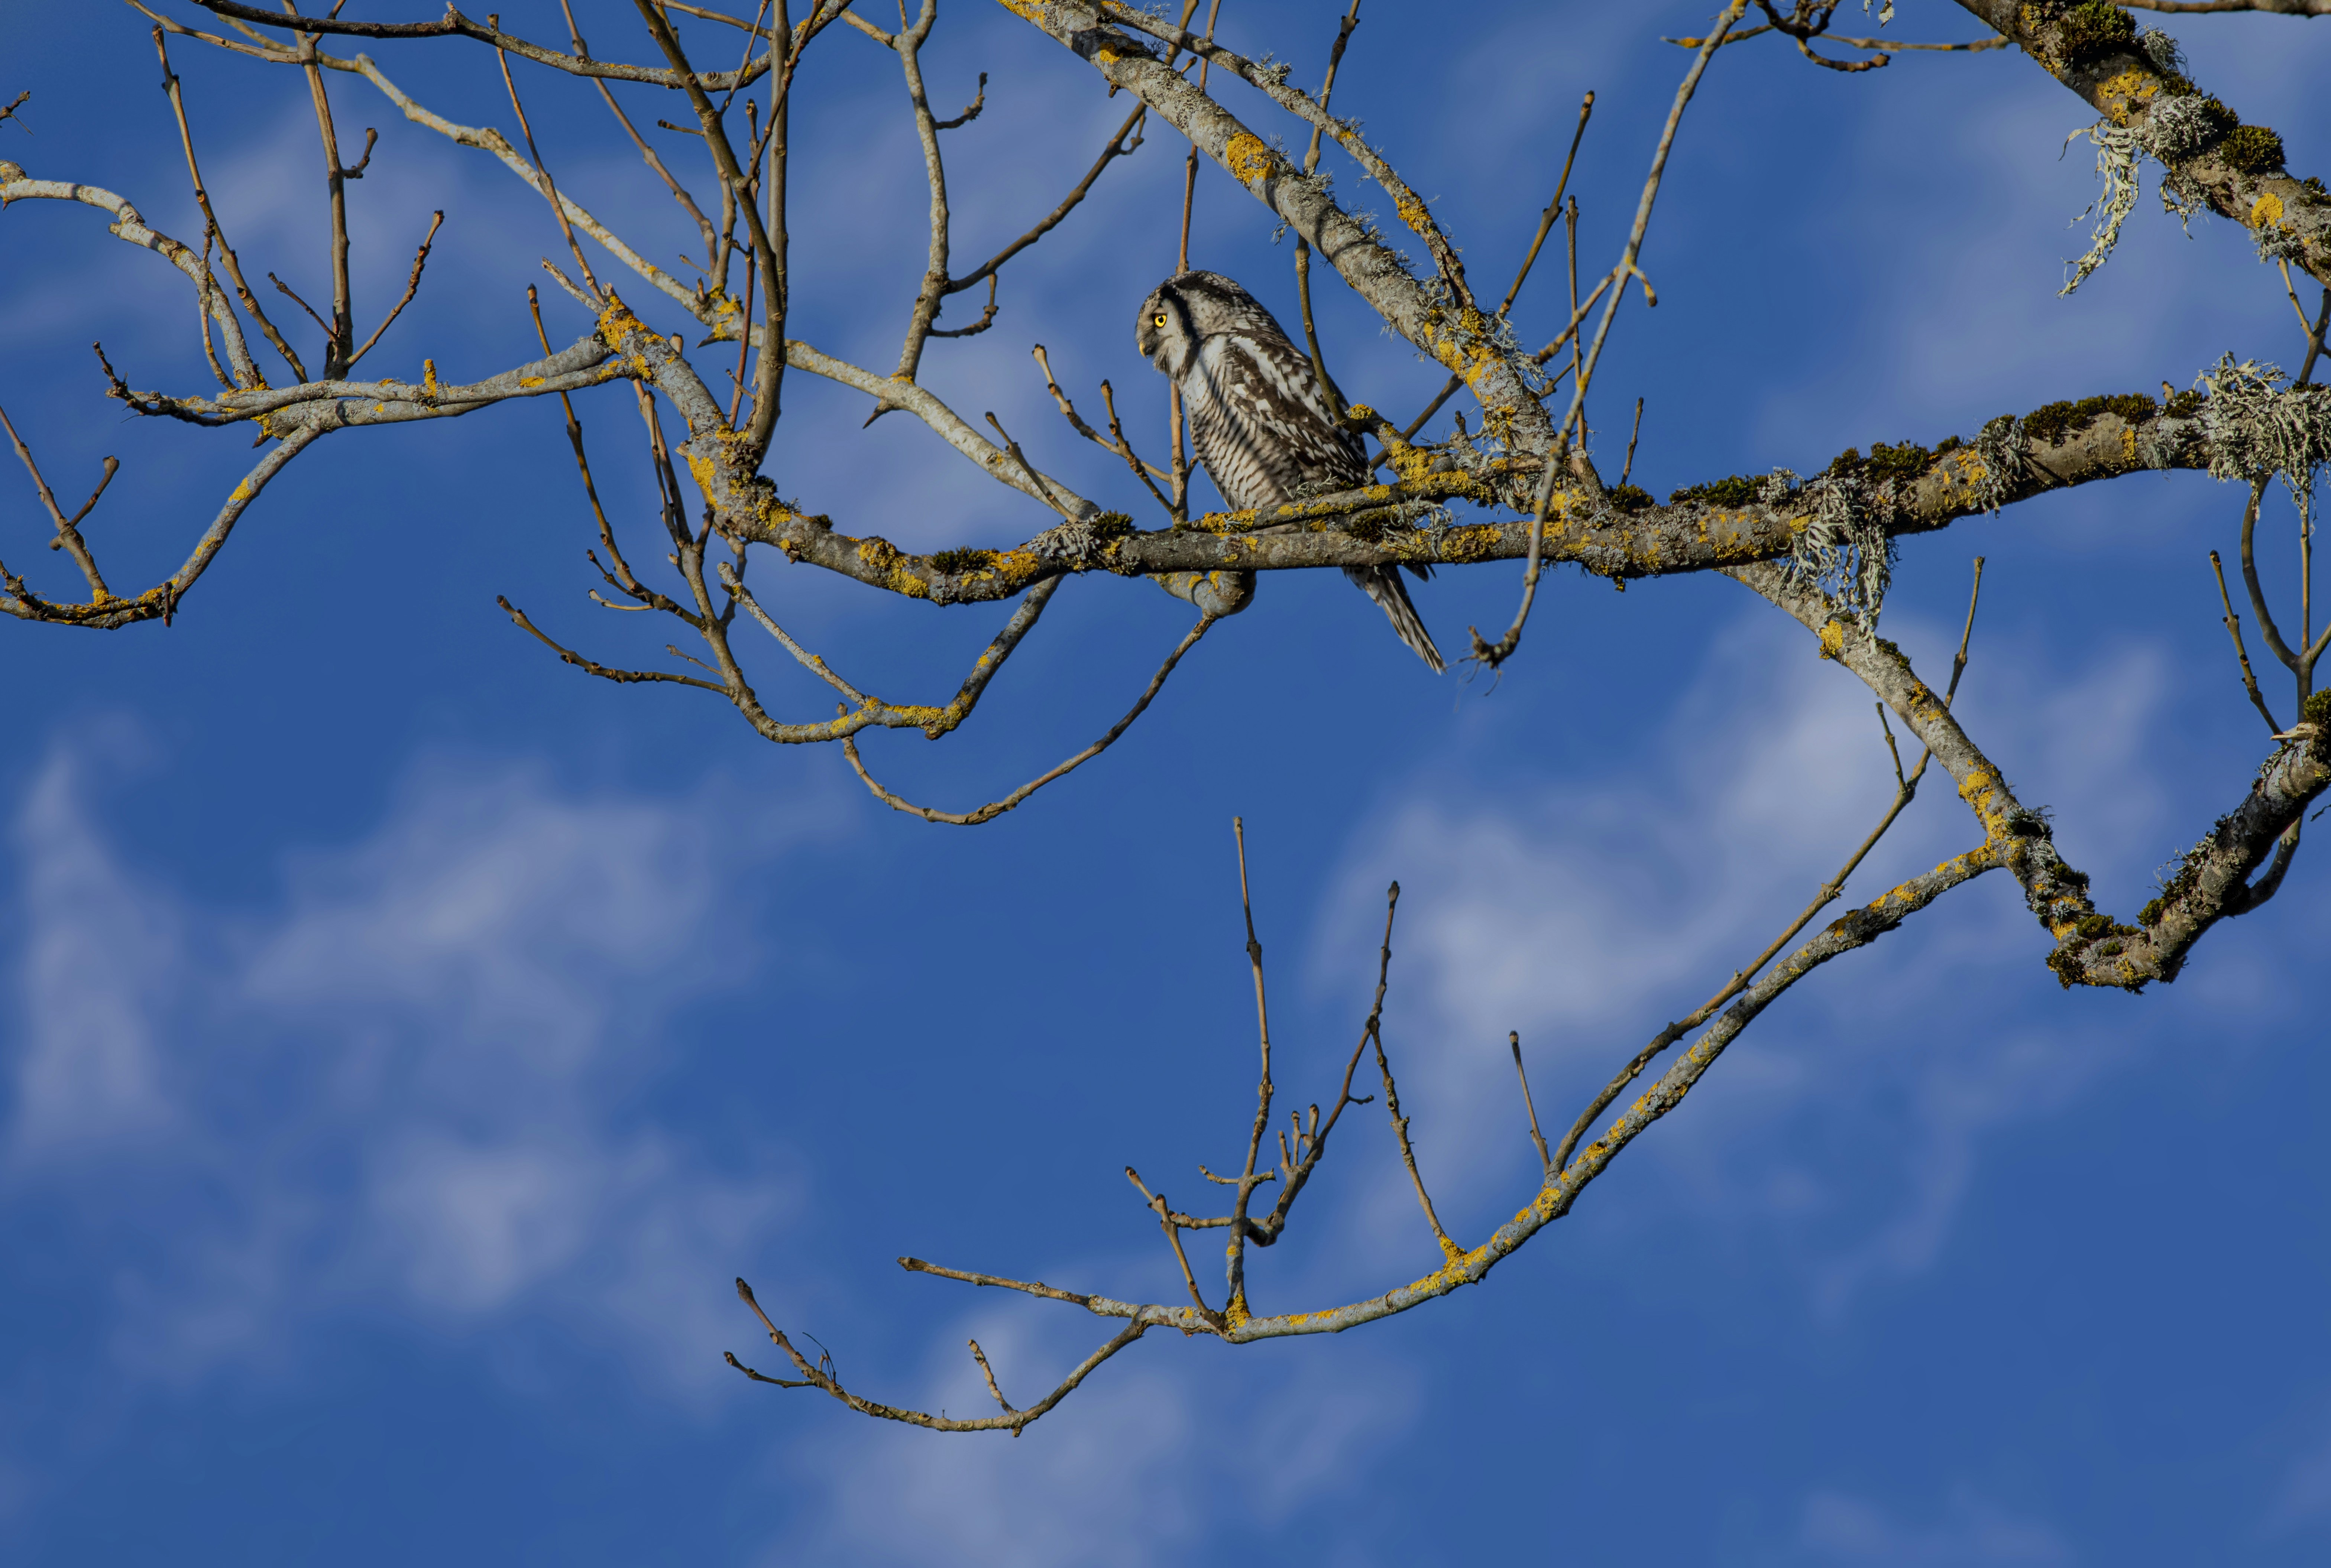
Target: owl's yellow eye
(1158,319)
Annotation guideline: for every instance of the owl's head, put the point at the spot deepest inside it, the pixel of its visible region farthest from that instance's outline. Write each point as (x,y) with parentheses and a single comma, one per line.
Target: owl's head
(1185,310)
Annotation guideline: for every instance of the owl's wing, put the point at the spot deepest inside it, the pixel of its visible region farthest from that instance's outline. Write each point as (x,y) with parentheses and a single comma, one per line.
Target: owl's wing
(1262,424)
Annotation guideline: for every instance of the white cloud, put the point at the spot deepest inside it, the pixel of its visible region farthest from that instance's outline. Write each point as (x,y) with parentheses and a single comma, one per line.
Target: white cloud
(97,956)
(408,1082)
(1839,1528)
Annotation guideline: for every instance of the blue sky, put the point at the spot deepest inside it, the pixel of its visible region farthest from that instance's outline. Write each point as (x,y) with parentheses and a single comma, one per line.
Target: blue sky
(403,1038)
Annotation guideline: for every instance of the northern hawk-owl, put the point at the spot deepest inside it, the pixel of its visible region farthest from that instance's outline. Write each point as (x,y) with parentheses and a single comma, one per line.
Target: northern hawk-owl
(1263,425)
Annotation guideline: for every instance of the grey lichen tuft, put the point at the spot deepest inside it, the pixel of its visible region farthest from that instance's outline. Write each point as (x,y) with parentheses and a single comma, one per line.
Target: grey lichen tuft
(2258,427)
(2164,443)
(2175,131)
(2001,449)
(2177,128)
(1075,542)
(2277,242)
(2179,125)
(1844,552)
(2165,54)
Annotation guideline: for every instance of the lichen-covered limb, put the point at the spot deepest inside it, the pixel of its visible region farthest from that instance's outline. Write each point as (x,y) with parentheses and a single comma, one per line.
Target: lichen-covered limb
(1454,334)
(2238,169)
(2092,949)
(871,712)
(1558,1191)
(297,417)
(1271,82)
(1858,929)
(453,25)
(1377,526)
(716,310)
(105,611)
(2272,7)
(859,711)
(345,405)
(820,1374)
(16,185)
(981,675)
(294,416)
(486,139)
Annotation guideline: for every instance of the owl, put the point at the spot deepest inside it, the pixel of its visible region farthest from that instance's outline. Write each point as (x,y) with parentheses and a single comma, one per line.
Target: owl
(1263,423)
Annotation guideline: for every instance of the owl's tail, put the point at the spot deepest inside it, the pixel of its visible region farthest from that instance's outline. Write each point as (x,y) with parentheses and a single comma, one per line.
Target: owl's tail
(1383,585)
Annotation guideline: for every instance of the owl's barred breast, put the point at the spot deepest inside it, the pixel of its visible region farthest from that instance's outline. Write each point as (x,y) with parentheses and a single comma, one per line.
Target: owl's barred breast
(1262,422)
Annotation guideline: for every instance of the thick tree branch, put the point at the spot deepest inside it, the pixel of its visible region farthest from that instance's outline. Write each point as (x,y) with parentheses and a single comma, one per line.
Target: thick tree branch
(2238,169)
(453,25)
(1720,525)
(2092,949)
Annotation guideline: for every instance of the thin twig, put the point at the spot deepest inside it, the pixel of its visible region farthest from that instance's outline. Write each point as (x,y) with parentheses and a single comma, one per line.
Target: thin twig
(1302,246)
(1490,655)
(1297,1164)
(1627,260)
(1448,1250)
(994,809)
(1546,220)
(1118,148)
(412,287)
(1167,1222)
(342,333)
(621,579)
(986,317)
(2267,627)
(1514,1038)
(679,192)
(1114,442)
(1190,173)
(170,85)
(1263,1090)
(590,667)
(550,187)
(2314,339)
(909,43)
(67,533)
(1029,469)
(1972,46)
(988,1372)
(1141,468)
(2233,625)
(820,1376)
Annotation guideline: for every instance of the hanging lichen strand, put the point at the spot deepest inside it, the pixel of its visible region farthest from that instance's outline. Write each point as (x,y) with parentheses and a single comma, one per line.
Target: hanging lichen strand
(2136,80)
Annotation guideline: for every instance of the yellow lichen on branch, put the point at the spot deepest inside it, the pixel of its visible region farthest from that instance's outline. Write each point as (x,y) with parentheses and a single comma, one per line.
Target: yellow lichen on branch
(1249,160)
